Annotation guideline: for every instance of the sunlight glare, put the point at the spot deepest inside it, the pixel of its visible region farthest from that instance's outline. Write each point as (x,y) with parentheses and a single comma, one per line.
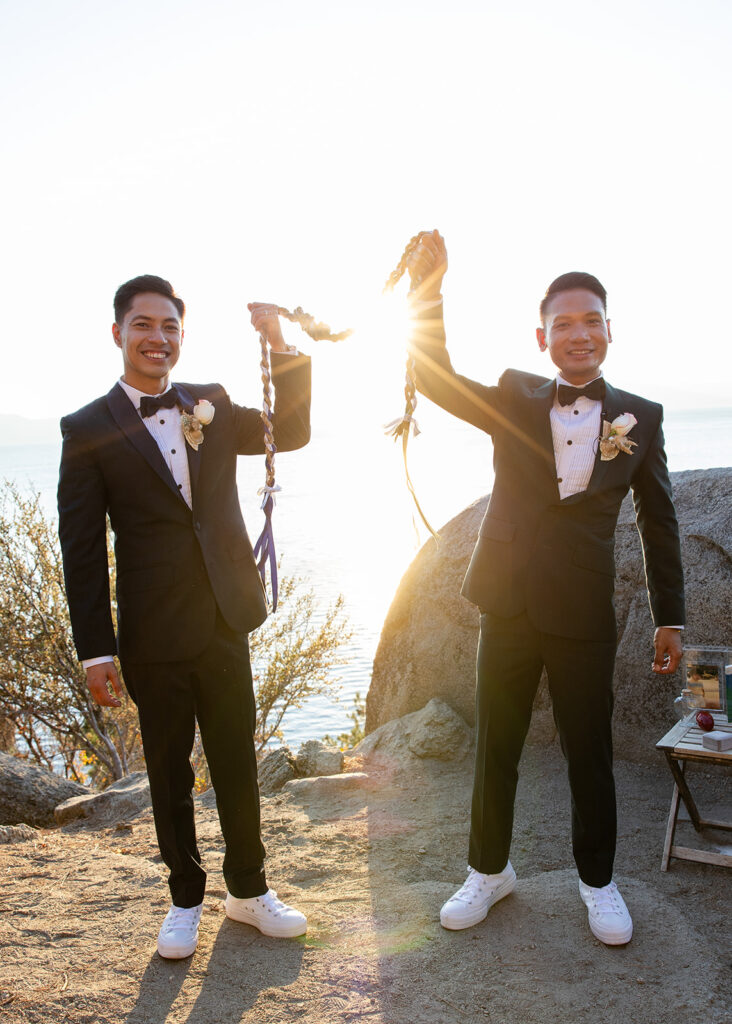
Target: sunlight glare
(388,319)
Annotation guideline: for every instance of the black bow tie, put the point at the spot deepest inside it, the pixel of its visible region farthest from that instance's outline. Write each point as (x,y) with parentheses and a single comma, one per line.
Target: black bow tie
(595,389)
(149,404)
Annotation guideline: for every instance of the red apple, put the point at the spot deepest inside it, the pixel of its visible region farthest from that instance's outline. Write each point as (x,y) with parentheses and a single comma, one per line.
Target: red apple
(705,721)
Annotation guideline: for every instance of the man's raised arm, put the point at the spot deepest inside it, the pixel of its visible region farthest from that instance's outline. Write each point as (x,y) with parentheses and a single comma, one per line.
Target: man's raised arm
(436,379)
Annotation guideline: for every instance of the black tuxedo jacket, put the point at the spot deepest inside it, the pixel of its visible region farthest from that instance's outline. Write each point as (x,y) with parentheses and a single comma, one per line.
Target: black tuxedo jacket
(174,564)
(554,558)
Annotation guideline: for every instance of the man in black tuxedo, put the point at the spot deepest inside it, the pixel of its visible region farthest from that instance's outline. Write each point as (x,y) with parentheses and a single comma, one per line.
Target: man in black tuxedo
(160,460)
(542,572)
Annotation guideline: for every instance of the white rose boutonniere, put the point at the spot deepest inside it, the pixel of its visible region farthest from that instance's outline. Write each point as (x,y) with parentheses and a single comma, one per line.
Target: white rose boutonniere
(204,412)
(194,422)
(614,439)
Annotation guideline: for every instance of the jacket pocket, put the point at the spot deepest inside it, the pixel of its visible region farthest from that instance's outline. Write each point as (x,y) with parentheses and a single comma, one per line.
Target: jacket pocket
(598,559)
(497,529)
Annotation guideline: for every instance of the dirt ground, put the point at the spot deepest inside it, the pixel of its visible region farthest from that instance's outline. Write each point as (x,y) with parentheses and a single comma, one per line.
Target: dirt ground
(80,911)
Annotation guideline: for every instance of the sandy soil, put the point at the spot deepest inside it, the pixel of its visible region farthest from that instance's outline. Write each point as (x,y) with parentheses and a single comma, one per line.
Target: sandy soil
(80,910)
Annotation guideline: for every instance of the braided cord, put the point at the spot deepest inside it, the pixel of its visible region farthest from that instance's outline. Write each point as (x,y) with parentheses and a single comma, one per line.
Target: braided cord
(314,328)
(401,428)
(269,444)
(264,549)
(410,395)
(398,272)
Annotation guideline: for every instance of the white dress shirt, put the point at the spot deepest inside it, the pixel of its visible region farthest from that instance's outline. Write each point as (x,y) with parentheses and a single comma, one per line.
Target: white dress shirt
(575,433)
(167,432)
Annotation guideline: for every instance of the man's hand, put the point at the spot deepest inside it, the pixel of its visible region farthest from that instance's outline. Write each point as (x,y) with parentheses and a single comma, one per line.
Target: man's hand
(427,265)
(667,645)
(99,678)
(265,320)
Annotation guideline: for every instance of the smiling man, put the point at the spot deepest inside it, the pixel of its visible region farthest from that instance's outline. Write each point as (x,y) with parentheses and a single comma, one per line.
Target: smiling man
(160,460)
(566,451)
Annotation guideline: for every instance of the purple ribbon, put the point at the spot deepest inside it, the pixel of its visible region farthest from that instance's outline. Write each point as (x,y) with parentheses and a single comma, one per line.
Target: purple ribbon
(264,550)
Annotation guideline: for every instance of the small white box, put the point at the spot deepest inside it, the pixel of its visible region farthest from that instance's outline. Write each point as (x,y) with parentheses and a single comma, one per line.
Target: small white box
(717,740)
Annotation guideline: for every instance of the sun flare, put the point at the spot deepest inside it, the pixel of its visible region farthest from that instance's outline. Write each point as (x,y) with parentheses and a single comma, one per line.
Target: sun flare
(388,319)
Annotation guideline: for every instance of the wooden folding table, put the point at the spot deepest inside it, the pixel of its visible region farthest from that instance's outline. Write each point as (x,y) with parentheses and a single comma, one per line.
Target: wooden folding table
(682,744)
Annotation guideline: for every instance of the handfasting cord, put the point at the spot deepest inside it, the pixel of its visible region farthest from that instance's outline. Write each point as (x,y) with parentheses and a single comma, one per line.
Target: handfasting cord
(315,329)
(401,427)
(264,549)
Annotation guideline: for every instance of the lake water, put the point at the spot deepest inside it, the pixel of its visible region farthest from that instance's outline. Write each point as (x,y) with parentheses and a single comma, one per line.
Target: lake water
(344,521)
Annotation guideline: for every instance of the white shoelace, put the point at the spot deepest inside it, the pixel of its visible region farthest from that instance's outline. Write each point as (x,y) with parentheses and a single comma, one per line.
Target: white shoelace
(182,919)
(607,900)
(470,887)
(271,903)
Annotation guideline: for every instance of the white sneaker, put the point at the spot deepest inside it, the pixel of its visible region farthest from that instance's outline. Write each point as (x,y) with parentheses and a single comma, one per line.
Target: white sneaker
(472,902)
(607,914)
(270,915)
(178,936)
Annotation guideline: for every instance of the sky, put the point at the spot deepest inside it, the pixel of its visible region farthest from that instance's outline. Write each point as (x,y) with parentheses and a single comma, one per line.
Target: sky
(286,152)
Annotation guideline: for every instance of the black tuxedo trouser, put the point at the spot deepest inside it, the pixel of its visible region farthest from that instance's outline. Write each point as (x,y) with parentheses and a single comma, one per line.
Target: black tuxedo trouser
(511,655)
(216,689)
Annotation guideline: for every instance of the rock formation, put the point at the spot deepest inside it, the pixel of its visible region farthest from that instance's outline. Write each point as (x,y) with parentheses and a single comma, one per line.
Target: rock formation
(315,758)
(429,639)
(121,800)
(435,731)
(275,769)
(16,833)
(29,794)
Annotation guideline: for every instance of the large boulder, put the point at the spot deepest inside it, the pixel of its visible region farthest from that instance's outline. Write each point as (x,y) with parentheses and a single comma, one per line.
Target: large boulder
(429,639)
(121,800)
(29,793)
(435,731)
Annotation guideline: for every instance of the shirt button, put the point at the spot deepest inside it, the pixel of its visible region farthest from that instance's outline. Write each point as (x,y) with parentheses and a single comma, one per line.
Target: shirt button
(576,412)
(180,487)
(559,479)
(172,451)
(162,422)
(569,442)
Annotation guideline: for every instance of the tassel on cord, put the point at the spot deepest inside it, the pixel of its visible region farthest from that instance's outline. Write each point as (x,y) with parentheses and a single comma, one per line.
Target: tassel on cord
(401,428)
(264,549)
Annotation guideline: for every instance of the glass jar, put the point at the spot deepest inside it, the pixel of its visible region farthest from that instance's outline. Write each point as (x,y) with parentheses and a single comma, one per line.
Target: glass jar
(688,702)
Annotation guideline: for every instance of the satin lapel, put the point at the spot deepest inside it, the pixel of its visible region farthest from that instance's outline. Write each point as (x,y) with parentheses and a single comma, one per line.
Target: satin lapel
(541,429)
(194,457)
(610,409)
(137,433)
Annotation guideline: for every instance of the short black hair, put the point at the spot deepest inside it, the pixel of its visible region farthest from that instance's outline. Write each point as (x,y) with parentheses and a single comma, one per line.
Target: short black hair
(566,282)
(126,293)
